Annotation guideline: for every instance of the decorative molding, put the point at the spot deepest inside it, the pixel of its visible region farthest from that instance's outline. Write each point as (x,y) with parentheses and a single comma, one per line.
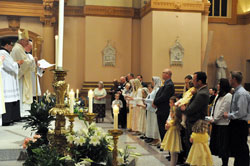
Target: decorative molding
(21,9)
(14,22)
(173,5)
(74,11)
(108,11)
(243,19)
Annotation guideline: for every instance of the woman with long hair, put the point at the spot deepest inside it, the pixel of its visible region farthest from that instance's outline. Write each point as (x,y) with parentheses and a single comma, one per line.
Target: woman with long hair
(219,141)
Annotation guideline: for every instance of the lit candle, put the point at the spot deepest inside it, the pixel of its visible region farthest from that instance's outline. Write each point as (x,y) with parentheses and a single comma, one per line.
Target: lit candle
(90,95)
(71,101)
(115,112)
(60,33)
(56,50)
(68,90)
(77,93)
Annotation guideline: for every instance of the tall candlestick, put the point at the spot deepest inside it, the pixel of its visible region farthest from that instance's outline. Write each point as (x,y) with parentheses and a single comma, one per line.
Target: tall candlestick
(60,32)
(77,93)
(115,112)
(56,50)
(90,95)
(71,101)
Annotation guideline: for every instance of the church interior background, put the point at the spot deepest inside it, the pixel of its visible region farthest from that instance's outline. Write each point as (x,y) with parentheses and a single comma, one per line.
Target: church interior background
(141,32)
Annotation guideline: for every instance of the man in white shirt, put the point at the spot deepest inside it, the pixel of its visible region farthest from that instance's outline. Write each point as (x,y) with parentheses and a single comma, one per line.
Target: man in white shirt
(9,73)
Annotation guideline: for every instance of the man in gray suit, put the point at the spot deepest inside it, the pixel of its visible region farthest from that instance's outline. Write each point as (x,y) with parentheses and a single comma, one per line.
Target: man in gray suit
(197,107)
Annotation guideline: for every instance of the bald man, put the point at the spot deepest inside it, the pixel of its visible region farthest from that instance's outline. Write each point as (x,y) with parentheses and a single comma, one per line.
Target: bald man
(161,100)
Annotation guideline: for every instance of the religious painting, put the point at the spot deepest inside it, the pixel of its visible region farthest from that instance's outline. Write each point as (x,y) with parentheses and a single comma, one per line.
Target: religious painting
(176,54)
(109,55)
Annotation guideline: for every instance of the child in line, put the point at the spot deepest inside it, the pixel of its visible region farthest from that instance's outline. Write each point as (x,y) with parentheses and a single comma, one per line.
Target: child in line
(119,104)
(172,139)
(200,154)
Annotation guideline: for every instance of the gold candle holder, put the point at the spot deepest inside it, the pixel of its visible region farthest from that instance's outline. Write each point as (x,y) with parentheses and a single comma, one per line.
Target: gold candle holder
(90,117)
(57,138)
(115,134)
(71,120)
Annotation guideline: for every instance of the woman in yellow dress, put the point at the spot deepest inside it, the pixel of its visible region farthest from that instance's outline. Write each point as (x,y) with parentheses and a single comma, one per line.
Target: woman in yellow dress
(200,154)
(172,139)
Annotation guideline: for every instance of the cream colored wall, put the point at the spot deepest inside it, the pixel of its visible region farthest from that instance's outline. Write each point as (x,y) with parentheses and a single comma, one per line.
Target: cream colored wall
(146,47)
(74,50)
(167,26)
(230,41)
(98,31)
(32,24)
(118,3)
(136,45)
(243,6)
(3,22)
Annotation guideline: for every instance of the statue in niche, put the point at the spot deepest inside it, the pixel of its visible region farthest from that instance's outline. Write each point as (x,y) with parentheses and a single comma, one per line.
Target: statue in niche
(221,68)
(109,55)
(176,54)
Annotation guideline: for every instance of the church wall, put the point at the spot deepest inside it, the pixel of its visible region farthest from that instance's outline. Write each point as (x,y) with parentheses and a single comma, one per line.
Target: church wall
(167,26)
(136,44)
(228,40)
(32,24)
(98,31)
(74,50)
(146,47)
(75,2)
(3,22)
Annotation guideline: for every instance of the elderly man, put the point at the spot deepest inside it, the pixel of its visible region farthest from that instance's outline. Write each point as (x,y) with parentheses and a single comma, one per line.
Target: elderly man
(35,80)
(239,116)
(10,84)
(197,107)
(161,101)
(24,74)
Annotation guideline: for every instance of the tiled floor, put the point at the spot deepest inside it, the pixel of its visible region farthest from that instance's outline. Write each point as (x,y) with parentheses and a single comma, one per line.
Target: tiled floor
(11,138)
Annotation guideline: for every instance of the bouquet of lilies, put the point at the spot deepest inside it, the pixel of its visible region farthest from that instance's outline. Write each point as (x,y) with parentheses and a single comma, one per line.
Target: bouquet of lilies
(90,142)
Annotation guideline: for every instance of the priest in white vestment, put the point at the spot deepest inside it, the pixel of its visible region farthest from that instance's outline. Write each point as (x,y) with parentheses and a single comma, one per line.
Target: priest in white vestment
(24,76)
(10,84)
(2,105)
(35,81)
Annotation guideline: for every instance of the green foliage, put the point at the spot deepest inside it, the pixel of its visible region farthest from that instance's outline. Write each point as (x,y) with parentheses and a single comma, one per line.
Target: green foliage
(39,119)
(43,155)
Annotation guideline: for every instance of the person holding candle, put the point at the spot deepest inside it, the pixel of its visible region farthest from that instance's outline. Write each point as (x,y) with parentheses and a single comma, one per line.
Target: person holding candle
(117,101)
(100,101)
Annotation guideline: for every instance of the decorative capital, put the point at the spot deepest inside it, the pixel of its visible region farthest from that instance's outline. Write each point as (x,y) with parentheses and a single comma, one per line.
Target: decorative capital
(14,22)
(48,18)
(206,8)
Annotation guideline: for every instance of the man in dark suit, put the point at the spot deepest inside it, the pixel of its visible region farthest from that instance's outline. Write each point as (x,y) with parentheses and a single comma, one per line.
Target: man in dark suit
(197,107)
(161,101)
(144,84)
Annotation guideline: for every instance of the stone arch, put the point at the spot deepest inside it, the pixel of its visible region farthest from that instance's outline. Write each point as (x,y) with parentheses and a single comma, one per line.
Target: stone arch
(33,36)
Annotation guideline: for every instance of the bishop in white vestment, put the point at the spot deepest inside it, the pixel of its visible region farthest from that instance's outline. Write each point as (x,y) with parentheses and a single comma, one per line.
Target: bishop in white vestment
(10,84)
(24,76)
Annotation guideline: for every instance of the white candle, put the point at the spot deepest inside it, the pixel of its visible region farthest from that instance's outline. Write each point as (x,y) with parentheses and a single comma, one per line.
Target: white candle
(56,50)
(90,95)
(68,90)
(71,101)
(115,112)
(60,33)
(77,93)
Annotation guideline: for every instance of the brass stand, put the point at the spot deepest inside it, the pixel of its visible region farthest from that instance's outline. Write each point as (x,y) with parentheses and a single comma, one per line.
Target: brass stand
(115,133)
(90,117)
(71,120)
(57,137)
